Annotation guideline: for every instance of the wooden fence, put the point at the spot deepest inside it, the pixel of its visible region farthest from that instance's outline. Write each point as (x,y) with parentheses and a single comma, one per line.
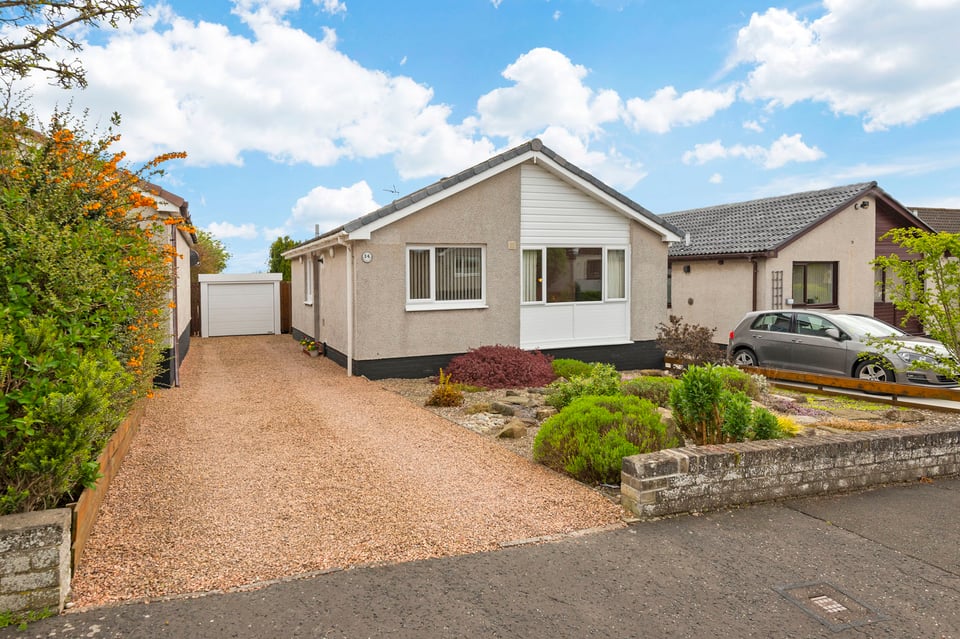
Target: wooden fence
(286,308)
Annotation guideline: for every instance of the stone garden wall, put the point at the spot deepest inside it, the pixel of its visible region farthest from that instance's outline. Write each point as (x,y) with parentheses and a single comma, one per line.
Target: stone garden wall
(702,478)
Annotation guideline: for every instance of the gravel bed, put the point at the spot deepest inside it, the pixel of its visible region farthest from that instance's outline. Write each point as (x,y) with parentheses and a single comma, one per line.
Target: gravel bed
(268,463)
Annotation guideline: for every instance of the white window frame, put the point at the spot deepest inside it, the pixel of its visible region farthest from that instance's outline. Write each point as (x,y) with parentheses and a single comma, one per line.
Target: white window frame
(603,275)
(431,303)
(307,261)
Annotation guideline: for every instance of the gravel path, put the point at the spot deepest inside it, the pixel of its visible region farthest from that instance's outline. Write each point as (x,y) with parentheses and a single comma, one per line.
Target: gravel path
(268,463)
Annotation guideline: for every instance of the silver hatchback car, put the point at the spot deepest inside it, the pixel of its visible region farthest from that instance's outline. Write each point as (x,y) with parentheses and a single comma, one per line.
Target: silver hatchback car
(832,344)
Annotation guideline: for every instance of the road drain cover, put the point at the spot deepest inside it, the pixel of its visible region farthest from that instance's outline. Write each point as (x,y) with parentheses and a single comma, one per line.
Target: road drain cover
(830,606)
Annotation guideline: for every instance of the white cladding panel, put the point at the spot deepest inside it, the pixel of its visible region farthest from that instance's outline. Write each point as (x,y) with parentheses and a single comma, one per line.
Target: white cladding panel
(555,213)
(241,309)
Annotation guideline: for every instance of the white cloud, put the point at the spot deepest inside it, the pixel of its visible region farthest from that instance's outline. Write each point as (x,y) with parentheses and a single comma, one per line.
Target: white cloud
(188,81)
(556,15)
(785,149)
(547,90)
(891,67)
(609,166)
(753,125)
(716,178)
(496,3)
(667,108)
(332,7)
(331,207)
(224,230)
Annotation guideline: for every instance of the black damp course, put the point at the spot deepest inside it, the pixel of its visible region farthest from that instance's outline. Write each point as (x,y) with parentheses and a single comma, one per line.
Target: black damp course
(831,606)
(632,356)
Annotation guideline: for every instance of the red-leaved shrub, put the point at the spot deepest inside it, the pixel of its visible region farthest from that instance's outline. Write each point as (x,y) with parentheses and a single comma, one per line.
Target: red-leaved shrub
(502,367)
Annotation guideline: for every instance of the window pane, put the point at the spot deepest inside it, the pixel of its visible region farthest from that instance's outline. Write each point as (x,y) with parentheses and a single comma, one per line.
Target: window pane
(459,273)
(419,274)
(798,272)
(561,286)
(820,283)
(616,274)
(532,276)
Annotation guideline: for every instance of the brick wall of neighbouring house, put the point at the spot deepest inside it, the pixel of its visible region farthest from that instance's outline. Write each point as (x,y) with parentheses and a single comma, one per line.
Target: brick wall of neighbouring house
(702,478)
(35,560)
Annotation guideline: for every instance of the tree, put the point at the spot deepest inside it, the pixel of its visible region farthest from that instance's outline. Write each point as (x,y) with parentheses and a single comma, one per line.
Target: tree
(277,263)
(213,255)
(32,28)
(926,286)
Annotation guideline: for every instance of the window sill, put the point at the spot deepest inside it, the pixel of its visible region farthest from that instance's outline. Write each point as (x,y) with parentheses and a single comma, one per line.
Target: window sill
(456,306)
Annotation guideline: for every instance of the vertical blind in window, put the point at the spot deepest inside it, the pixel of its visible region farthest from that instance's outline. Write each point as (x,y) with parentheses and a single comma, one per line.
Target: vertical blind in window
(458,273)
(419,274)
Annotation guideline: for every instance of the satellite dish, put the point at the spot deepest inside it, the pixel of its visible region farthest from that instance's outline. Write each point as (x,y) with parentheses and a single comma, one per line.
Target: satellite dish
(194,258)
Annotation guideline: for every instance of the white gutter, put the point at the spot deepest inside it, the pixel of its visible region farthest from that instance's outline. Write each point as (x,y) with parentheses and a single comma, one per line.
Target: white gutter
(317,245)
(344,241)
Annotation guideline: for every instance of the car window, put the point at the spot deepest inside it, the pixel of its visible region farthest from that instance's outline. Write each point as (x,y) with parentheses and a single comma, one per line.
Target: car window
(815,325)
(777,322)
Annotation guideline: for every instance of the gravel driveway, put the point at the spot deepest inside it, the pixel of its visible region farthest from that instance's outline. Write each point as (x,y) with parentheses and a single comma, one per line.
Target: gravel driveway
(268,463)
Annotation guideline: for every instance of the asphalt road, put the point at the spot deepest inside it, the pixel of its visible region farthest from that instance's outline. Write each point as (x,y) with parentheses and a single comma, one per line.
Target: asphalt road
(883,563)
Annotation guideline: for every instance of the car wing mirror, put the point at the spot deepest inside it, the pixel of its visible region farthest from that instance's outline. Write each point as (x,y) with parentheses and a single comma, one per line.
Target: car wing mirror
(833,332)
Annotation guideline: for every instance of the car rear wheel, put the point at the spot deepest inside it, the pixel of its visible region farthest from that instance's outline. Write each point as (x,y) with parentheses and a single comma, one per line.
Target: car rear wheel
(745,357)
(874,371)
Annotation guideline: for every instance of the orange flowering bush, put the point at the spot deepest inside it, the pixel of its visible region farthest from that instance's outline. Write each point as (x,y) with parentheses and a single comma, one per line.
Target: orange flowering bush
(85,276)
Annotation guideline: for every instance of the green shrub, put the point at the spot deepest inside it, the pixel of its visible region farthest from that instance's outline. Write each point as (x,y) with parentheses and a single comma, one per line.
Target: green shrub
(589,438)
(735,379)
(604,379)
(570,368)
(737,416)
(765,425)
(697,404)
(655,389)
(83,279)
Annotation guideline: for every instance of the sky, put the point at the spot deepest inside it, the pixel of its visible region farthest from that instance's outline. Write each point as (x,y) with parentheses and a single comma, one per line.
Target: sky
(297,113)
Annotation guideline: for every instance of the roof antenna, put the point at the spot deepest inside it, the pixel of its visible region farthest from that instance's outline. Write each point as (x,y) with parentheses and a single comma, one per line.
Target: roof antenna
(393,190)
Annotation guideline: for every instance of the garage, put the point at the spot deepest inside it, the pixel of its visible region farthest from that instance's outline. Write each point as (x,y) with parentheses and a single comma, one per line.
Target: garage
(240,304)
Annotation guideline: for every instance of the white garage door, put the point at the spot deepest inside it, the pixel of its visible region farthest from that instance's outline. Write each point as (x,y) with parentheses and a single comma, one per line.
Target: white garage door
(234,306)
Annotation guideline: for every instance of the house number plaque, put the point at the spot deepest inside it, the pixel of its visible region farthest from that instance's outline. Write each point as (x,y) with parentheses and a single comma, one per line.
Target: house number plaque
(367,257)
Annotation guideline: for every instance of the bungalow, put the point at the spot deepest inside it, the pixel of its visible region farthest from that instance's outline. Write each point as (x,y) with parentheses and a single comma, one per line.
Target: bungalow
(523,249)
(177,344)
(940,220)
(806,250)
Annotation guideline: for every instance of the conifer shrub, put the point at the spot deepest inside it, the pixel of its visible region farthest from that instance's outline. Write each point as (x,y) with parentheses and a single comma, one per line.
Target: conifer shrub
(603,379)
(502,367)
(589,438)
(655,389)
(445,393)
(570,368)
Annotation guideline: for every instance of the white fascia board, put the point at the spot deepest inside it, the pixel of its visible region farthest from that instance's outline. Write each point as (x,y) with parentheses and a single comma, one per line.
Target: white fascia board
(315,245)
(228,278)
(364,232)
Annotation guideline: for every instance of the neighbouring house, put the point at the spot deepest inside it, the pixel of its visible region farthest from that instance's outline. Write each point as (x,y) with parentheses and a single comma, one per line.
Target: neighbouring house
(168,206)
(940,220)
(524,249)
(805,250)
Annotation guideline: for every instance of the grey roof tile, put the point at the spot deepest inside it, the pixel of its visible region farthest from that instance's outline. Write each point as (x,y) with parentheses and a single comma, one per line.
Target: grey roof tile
(757,226)
(945,220)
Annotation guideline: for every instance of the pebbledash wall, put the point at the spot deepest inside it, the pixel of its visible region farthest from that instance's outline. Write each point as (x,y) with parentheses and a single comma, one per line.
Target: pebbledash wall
(700,478)
(35,566)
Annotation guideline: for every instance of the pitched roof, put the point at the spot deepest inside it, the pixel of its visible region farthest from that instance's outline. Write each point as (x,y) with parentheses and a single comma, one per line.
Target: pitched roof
(758,226)
(507,159)
(945,220)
